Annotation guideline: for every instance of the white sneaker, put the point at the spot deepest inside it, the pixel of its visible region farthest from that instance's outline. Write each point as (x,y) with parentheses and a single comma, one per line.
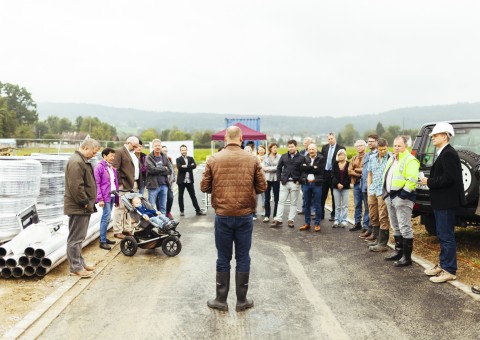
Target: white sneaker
(443,276)
(255,217)
(266,219)
(433,271)
(343,224)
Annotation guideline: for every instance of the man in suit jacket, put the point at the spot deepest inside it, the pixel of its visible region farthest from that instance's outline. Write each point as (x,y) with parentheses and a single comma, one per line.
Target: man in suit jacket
(185,166)
(446,195)
(329,152)
(129,175)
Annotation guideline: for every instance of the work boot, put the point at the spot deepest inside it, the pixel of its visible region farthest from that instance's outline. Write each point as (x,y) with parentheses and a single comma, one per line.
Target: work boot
(397,255)
(241,280)
(406,259)
(374,234)
(223,285)
(382,241)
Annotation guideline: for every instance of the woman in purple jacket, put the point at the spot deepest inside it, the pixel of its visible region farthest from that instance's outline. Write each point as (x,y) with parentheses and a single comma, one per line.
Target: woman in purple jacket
(107,180)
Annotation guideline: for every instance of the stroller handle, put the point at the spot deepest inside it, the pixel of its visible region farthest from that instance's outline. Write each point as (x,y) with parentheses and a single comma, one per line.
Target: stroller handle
(117,192)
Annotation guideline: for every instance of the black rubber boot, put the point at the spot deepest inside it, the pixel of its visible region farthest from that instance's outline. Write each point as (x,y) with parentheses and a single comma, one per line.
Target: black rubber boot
(223,285)
(406,259)
(242,287)
(397,255)
(382,241)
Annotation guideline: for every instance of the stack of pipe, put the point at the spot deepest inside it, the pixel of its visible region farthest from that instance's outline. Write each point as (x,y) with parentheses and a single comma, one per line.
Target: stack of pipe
(39,258)
(52,186)
(19,188)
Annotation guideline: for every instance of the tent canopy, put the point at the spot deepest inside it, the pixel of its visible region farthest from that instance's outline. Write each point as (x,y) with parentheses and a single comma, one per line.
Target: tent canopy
(247,133)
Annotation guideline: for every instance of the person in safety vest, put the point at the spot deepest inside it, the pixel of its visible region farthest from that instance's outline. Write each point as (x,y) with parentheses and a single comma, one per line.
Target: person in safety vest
(400,179)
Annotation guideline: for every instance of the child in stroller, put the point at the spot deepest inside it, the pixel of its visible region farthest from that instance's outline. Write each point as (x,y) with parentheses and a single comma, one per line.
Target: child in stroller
(154,216)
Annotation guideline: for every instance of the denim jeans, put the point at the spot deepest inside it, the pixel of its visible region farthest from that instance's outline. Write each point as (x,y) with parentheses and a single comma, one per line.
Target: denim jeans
(445,226)
(158,197)
(341,209)
(160,220)
(275,186)
(230,230)
(366,214)
(358,200)
(106,214)
(312,192)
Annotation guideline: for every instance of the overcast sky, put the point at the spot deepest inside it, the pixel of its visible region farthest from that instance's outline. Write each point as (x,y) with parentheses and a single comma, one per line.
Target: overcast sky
(257,57)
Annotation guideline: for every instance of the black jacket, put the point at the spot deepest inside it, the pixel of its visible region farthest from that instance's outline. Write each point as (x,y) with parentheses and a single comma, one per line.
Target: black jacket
(157,174)
(336,176)
(289,167)
(446,181)
(182,171)
(316,169)
(325,149)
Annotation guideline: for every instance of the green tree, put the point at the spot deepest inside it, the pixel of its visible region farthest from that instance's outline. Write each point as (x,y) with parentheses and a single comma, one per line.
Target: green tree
(41,129)
(340,139)
(380,130)
(17,103)
(78,123)
(24,131)
(149,135)
(349,134)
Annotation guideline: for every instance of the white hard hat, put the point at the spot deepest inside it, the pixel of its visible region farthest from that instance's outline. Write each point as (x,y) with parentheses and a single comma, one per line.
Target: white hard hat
(443,127)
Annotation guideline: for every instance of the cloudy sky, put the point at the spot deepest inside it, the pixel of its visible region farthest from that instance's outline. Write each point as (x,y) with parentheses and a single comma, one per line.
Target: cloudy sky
(300,57)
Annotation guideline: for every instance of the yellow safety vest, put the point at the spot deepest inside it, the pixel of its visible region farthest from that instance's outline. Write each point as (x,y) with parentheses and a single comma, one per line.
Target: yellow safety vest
(405,174)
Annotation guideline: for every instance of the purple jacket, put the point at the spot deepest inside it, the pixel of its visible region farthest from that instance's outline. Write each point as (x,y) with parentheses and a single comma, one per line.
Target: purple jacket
(102,177)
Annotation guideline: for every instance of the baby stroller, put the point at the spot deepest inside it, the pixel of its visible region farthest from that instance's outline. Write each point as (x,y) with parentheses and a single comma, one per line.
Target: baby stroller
(146,234)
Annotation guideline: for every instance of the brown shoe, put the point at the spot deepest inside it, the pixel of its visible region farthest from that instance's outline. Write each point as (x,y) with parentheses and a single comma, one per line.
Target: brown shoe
(275,223)
(370,238)
(120,236)
(317,228)
(305,227)
(89,268)
(126,233)
(82,273)
(291,224)
(365,234)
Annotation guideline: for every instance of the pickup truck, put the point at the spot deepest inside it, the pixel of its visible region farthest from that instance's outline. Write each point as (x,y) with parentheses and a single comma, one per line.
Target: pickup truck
(467,144)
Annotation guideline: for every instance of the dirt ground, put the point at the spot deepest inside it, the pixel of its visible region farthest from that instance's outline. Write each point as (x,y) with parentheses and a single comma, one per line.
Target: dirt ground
(19,296)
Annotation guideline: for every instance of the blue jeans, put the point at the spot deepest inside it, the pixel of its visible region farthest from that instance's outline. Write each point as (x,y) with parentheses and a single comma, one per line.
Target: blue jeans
(445,226)
(275,186)
(366,214)
(160,220)
(312,192)
(341,209)
(106,214)
(358,199)
(158,197)
(229,230)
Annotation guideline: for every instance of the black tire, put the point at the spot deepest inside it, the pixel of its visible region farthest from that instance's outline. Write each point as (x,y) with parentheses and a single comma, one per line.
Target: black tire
(468,161)
(428,220)
(171,246)
(129,246)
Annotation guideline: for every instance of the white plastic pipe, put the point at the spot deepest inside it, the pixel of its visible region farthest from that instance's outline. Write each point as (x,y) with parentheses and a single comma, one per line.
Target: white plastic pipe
(12,261)
(29,271)
(6,272)
(17,272)
(23,261)
(48,247)
(5,249)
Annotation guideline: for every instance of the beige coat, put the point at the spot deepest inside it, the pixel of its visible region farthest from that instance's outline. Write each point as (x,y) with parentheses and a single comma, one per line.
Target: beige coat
(234,178)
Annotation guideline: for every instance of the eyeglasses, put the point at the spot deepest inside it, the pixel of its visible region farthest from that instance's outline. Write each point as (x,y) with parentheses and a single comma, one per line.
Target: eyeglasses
(371,141)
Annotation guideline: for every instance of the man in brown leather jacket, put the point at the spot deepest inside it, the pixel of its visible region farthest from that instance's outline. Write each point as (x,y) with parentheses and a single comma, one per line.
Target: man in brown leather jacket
(234,178)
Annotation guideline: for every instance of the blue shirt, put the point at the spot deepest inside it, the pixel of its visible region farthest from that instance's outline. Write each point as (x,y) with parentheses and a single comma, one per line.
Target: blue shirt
(376,167)
(366,158)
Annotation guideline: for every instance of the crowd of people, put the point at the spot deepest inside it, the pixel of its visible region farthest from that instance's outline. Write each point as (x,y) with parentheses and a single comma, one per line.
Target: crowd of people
(384,191)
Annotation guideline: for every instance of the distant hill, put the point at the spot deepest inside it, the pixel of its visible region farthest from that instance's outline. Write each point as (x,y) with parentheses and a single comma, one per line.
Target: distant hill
(132,120)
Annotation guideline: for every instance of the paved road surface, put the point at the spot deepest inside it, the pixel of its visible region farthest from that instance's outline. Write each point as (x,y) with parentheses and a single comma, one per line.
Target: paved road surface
(305,285)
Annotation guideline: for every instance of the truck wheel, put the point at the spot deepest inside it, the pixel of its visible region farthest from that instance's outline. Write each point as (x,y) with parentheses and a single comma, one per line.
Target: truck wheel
(468,161)
(429,222)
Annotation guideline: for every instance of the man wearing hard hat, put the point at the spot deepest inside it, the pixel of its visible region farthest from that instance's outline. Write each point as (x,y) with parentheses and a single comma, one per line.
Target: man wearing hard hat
(446,195)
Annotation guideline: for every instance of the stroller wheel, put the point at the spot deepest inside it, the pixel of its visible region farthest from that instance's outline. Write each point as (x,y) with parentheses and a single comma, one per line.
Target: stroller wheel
(171,246)
(128,246)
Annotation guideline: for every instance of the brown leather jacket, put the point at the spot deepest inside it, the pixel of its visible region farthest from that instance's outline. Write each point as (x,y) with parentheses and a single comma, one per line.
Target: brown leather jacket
(234,178)
(355,168)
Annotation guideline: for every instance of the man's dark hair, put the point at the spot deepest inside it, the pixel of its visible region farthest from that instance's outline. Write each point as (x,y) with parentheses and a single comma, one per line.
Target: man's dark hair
(373,136)
(382,142)
(292,141)
(107,151)
(140,141)
(183,146)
